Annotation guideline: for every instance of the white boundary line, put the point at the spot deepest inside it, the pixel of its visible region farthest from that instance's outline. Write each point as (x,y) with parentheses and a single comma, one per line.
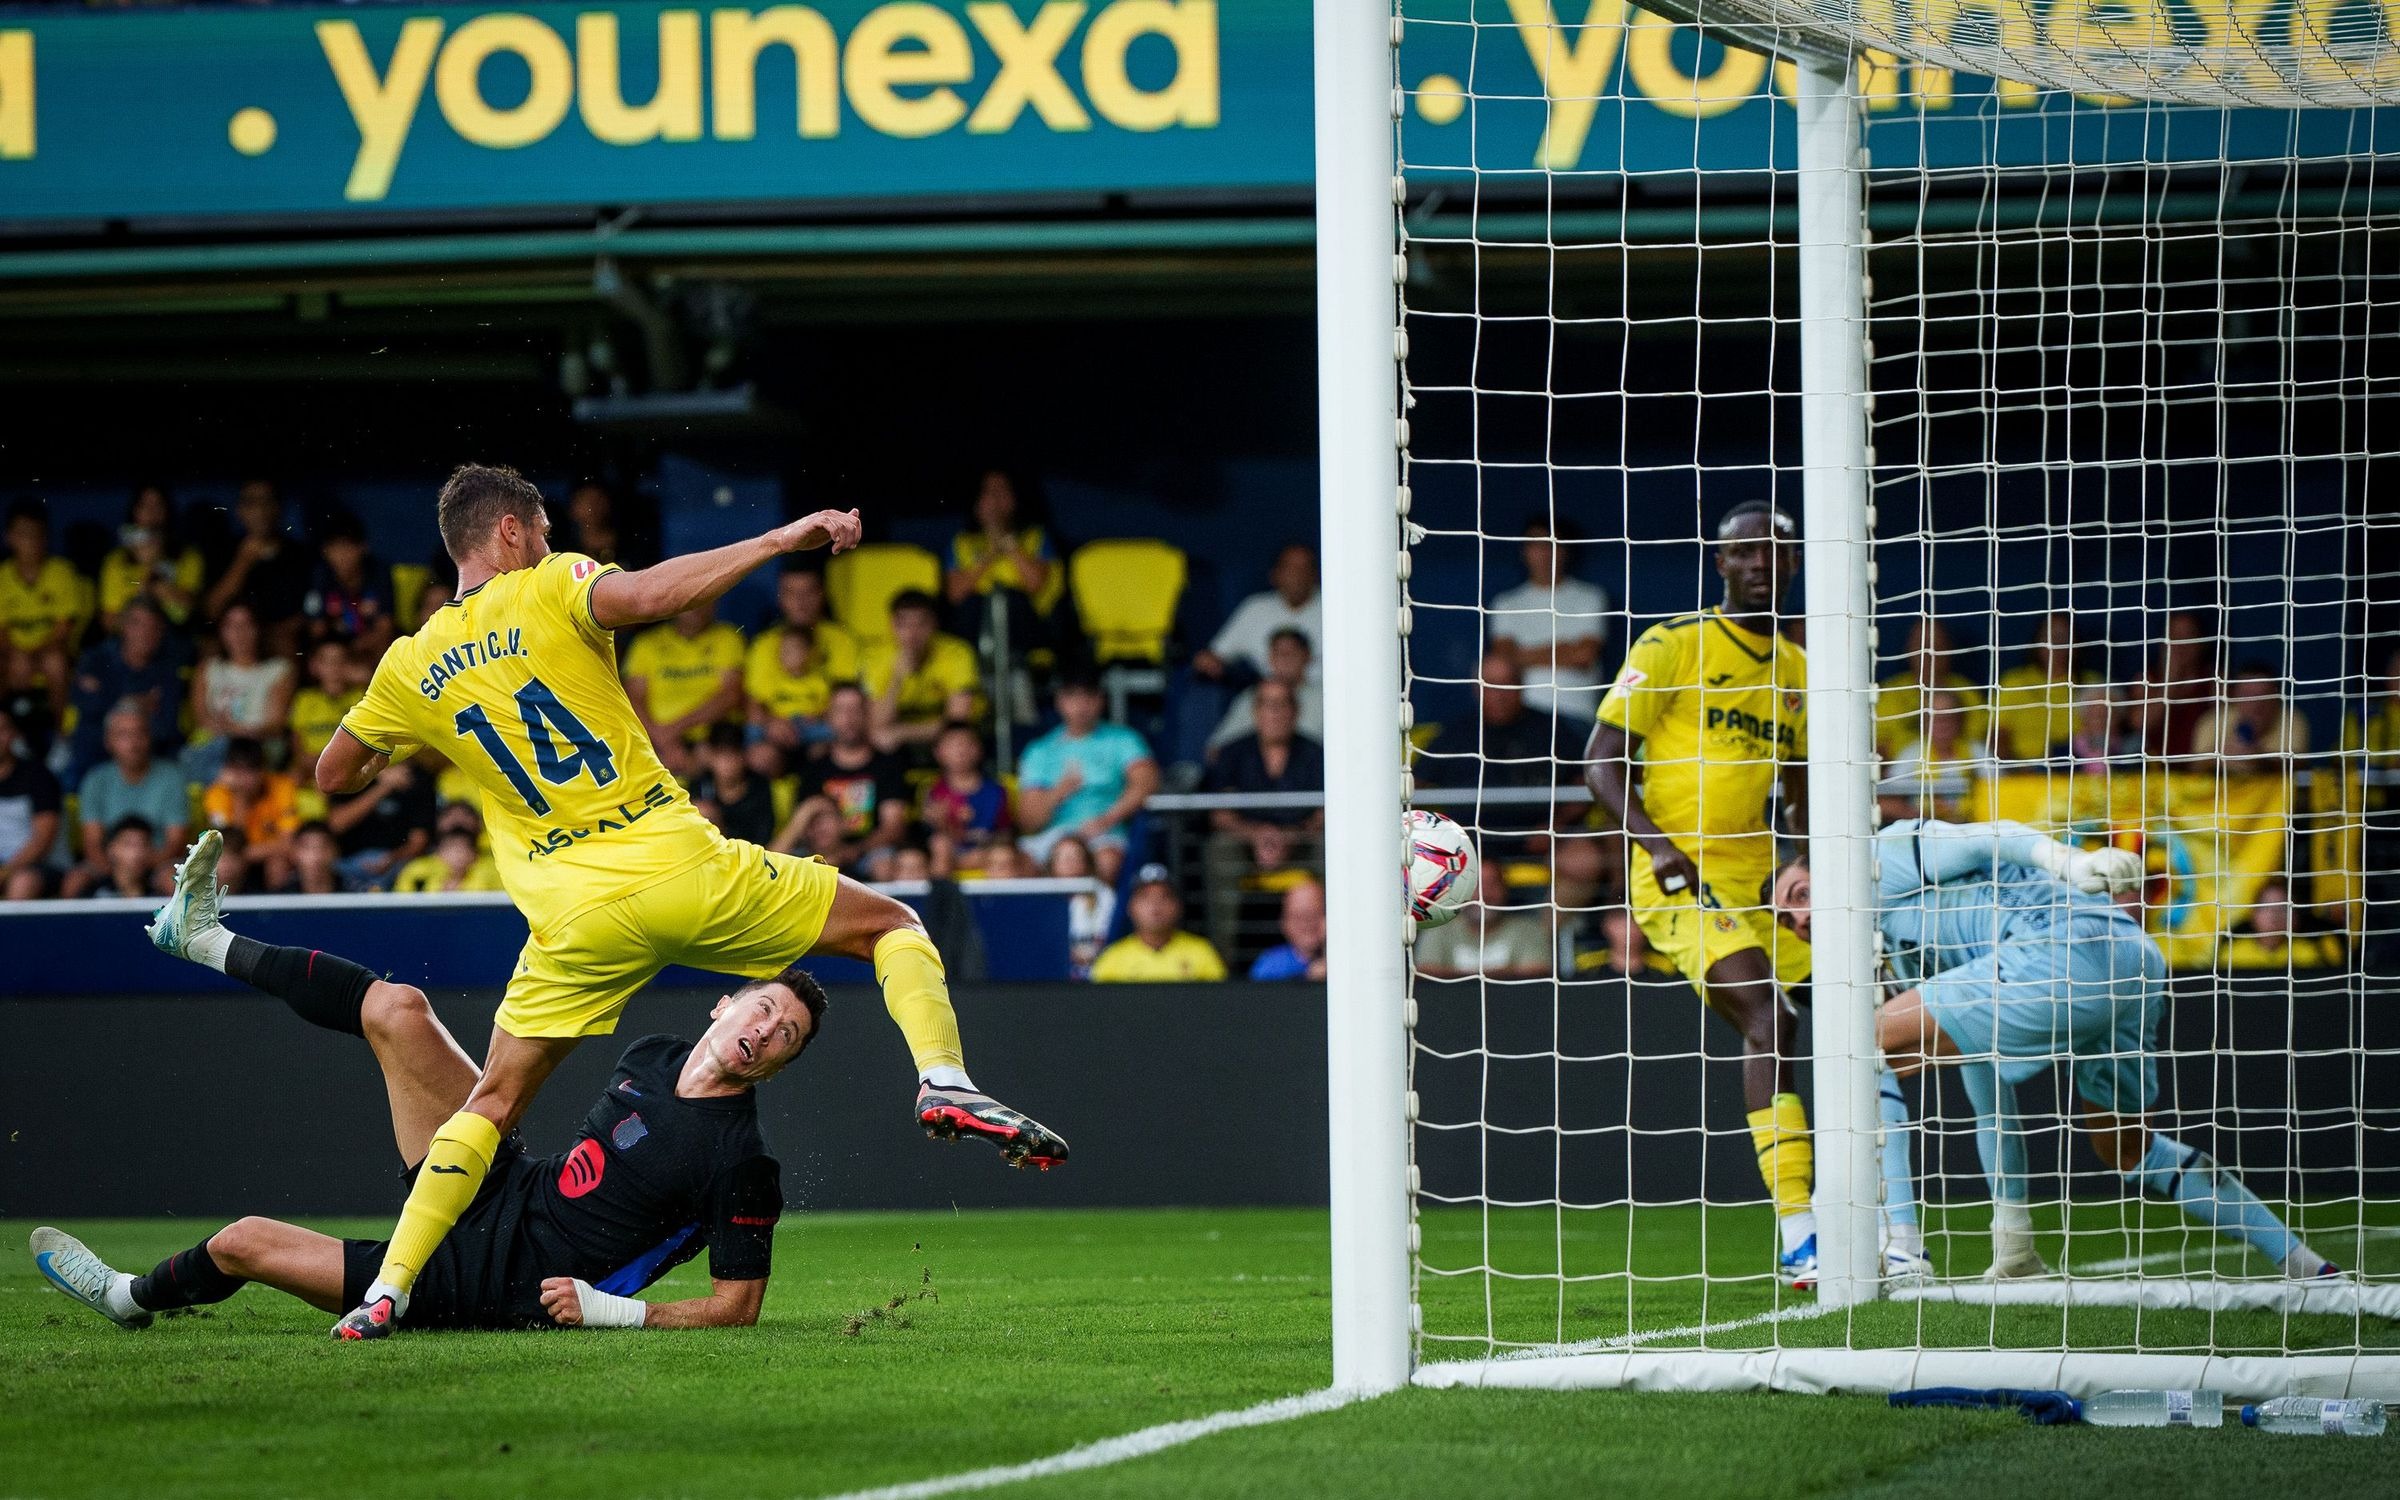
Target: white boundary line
(1149,1440)
(1115,1450)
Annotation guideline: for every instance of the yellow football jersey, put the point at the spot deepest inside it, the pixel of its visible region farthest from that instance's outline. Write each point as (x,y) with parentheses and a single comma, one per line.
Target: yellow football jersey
(949,667)
(784,694)
(29,612)
(316,714)
(517,684)
(836,654)
(682,671)
(1719,710)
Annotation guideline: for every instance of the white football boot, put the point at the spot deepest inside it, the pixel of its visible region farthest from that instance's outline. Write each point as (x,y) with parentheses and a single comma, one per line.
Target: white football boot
(192,910)
(67,1264)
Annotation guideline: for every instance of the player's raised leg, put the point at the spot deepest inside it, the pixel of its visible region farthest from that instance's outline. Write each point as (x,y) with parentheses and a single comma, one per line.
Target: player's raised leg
(866,924)
(2209,1192)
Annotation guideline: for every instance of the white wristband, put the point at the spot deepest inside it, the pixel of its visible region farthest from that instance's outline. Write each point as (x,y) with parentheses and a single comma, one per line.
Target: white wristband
(608,1310)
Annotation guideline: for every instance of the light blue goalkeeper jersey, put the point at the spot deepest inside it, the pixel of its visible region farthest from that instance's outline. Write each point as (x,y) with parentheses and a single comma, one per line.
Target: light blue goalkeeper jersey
(1952,893)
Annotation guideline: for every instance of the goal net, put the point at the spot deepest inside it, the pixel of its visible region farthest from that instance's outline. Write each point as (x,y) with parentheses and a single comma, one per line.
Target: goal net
(2064,335)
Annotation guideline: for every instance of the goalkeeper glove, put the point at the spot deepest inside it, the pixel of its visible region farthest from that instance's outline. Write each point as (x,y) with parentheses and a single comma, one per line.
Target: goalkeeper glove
(2095,872)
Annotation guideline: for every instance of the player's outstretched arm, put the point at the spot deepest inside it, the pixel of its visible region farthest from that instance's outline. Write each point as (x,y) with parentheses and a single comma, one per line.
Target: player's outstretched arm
(575,1304)
(697,578)
(346,765)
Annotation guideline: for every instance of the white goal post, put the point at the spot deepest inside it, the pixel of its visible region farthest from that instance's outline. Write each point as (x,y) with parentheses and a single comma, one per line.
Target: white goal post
(2070,143)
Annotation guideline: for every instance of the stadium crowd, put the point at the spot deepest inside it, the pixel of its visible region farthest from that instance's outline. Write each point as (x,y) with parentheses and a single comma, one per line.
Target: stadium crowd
(190,674)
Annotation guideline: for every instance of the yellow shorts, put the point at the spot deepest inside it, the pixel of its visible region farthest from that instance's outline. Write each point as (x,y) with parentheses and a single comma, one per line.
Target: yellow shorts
(1694,930)
(744,911)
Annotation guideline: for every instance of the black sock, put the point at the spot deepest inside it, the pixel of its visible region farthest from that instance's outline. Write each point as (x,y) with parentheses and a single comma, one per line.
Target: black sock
(324,990)
(188,1278)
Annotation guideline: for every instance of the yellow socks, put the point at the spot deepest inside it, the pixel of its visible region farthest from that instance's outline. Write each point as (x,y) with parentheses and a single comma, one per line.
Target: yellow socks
(453,1172)
(1787,1161)
(909,968)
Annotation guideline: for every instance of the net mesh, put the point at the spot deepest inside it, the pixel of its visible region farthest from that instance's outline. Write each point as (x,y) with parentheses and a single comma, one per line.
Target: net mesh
(2133,586)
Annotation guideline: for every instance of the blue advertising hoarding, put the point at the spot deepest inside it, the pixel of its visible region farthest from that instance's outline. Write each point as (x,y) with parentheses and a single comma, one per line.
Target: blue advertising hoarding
(363,110)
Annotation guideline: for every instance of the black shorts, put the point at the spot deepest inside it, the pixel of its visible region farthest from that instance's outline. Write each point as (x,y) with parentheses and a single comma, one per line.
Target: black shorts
(458,1287)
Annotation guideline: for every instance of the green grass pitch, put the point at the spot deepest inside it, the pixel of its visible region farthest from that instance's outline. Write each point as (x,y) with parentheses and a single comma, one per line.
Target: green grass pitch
(907,1346)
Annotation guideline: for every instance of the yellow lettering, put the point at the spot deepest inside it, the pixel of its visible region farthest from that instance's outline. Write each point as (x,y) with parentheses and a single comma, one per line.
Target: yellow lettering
(16,95)
(458,83)
(673,112)
(873,71)
(1933,84)
(2325,52)
(382,108)
(2011,21)
(2237,43)
(1028,67)
(1573,72)
(1189,98)
(737,37)
(1650,61)
(2094,26)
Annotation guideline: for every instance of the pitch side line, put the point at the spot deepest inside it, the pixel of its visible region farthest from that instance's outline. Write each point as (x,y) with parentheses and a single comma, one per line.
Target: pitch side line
(1116,1450)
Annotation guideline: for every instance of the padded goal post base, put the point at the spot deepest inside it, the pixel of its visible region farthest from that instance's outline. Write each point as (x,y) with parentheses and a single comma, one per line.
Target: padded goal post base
(2335,1297)
(1821,1372)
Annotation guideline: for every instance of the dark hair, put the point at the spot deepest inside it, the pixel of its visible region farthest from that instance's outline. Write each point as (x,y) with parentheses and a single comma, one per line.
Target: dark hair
(959,726)
(1540,528)
(914,599)
(245,754)
(342,526)
(804,987)
(726,737)
(1296,634)
(840,688)
(29,509)
(313,825)
(474,499)
(1077,679)
(1779,522)
(133,823)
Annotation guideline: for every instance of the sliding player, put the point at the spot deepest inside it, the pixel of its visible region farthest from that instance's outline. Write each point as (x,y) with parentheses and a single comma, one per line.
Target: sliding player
(1713,707)
(2018,957)
(669,1162)
(515,681)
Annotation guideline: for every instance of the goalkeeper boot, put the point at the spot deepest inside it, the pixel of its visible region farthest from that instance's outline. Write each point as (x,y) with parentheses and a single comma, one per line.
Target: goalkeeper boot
(69,1265)
(963,1114)
(378,1318)
(192,910)
(1797,1267)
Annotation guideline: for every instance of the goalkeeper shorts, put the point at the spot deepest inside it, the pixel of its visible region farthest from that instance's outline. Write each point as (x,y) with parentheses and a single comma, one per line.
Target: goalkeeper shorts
(2089,986)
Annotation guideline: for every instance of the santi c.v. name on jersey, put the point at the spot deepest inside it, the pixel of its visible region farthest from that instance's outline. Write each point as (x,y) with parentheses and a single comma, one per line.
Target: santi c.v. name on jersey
(495,646)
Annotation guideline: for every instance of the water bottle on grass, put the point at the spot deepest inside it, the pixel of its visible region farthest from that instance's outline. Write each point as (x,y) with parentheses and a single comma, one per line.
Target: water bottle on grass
(2315,1416)
(2200,1408)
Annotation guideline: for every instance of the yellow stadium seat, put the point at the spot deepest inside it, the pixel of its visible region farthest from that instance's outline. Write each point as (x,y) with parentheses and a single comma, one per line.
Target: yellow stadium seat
(860,584)
(1126,591)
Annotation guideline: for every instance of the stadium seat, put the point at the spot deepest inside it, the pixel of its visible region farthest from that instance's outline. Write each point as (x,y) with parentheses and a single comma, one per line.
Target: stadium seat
(860,584)
(1126,592)
(408,588)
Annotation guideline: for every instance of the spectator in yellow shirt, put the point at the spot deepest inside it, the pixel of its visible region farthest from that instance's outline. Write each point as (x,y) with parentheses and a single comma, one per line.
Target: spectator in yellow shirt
(800,606)
(263,804)
(1157,951)
(920,679)
(788,688)
(1900,706)
(44,604)
(684,676)
(1000,554)
(2034,710)
(150,561)
(317,709)
(454,865)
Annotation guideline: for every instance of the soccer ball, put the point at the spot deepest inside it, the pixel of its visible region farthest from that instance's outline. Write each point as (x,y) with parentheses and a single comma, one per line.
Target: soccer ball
(1439,875)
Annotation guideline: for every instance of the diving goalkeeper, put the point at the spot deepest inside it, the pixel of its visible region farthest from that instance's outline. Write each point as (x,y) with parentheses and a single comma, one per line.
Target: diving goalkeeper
(668,1163)
(2016,957)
